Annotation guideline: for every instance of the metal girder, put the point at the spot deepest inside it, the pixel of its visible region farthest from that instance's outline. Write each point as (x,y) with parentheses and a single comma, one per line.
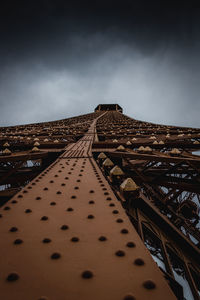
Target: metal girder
(61,238)
(66,235)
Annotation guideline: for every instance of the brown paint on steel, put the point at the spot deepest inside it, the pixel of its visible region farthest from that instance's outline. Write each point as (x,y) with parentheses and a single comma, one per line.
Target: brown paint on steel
(74,248)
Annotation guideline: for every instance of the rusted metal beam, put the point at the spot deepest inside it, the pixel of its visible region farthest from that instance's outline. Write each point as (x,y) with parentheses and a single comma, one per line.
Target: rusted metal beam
(70,238)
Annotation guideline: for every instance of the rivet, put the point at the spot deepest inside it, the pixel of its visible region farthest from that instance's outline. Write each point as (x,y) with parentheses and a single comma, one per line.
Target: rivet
(108,199)
(64,227)
(28,211)
(102,238)
(106,193)
(44,218)
(90,217)
(14,201)
(149,285)
(56,175)
(115,211)
(43,298)
(55,255)
(130,244)
(139,262)
(51,181)
(45,189)
(12,277)
(124,231)
(87,274)
(78,180)
(69,209)
(66,178)
(91,191)
(18,241)
(46,240)
(53,203)
(6,208)
(63,184)
(20,196)
(111,204)
(1,216)
(91,202)
(59,192)
(13,229)
(73,197)
(74,239)
(37,198)
(120,253)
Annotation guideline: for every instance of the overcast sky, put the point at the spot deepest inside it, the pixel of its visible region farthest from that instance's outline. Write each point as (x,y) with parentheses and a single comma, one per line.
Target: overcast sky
(60,59)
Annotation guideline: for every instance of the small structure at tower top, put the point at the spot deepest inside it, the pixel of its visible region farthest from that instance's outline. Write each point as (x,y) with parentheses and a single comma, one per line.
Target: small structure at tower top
(105,107)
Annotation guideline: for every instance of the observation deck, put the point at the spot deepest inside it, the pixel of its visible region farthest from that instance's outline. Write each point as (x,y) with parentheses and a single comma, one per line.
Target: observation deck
(106,107)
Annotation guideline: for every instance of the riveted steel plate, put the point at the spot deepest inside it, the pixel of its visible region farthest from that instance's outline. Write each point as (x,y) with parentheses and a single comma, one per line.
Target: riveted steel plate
(66,236)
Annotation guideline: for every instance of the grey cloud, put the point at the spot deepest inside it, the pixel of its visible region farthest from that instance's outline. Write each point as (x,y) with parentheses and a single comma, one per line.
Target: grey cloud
(82,70)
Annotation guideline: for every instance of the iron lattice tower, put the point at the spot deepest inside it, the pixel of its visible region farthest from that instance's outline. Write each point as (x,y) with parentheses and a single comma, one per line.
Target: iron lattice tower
(99,206)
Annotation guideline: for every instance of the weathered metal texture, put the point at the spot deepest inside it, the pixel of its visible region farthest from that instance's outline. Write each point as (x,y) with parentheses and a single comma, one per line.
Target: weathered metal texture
(26,144)
(66,236)
(158,166)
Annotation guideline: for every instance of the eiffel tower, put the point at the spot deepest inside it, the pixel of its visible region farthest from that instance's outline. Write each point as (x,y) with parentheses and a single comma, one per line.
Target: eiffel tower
(99,206)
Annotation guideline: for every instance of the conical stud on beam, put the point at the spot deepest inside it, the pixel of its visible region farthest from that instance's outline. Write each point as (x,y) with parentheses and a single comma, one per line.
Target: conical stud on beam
(107,165)
(6,152)
(129,189)
(148,149)
(120,148)
(141,149)
(101,157)
(6,144)
(116,175)
(175,152)
(35,149)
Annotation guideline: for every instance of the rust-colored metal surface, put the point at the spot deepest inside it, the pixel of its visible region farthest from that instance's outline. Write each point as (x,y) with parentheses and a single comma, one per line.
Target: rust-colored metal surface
(66,236)
(99,206)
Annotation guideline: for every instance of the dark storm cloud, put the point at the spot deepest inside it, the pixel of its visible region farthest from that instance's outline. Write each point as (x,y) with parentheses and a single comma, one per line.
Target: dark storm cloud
(60,59)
